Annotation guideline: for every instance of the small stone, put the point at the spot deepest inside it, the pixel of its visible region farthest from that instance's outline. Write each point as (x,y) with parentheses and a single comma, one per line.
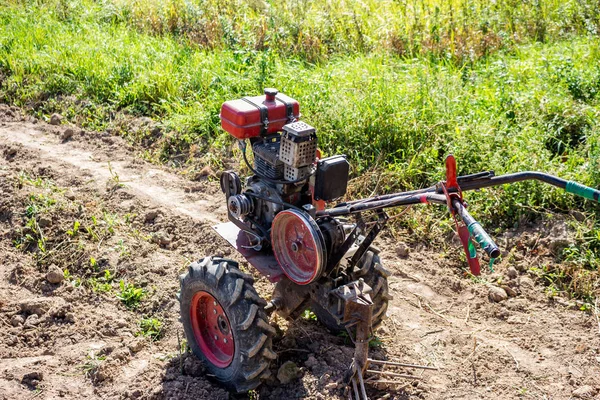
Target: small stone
(288,372)
(402,250)
(31,321)
(121,323)
(67,134)
(17,320)
(584,392)
(526,281)
(44,222)
(497,294)
(512,273)
(150,216)
(54,275)
(55,119)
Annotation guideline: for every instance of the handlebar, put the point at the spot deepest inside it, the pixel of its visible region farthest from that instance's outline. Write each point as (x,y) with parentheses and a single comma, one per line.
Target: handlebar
(476,230)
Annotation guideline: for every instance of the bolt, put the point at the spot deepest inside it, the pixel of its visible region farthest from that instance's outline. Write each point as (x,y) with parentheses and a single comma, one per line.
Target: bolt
(214,311)
(225,340)
(216,337)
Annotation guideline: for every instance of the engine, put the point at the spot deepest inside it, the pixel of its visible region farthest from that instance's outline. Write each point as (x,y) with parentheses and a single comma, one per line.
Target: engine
(277,205)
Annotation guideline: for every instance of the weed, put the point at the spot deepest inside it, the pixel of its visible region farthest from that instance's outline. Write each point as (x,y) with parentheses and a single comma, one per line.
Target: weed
(129,294)
(73,232)
(102,284)
(91,365)
(117,183)
(122,249)
(75,282)
(309,315)
(150,327)
(375,343)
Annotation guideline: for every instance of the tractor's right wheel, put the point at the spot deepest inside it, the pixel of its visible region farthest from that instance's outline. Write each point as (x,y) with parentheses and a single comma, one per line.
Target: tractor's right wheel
(375,275)
(225,323)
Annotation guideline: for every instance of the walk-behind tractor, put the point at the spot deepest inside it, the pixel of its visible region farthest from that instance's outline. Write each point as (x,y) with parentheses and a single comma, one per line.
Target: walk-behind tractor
(319,258)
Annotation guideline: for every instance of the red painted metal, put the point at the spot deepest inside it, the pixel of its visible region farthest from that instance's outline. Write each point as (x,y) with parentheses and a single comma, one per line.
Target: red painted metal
(451,182)
(297,247)
(243,120)
(263,260)
(452,190)
(212,330)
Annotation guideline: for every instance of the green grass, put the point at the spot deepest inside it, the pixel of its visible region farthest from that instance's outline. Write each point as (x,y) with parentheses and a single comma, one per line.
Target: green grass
(395,85)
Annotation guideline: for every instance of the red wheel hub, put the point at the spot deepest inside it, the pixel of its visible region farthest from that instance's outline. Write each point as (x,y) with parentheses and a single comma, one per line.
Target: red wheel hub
(212,330)
(298,246)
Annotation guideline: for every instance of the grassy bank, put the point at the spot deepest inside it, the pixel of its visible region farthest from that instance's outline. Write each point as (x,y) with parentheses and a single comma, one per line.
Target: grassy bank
(396,86)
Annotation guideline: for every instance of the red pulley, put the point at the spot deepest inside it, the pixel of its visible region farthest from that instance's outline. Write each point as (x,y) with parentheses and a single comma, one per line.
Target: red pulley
(298,246)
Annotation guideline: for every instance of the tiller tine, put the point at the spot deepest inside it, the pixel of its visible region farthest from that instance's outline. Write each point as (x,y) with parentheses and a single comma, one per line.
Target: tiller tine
(358,314)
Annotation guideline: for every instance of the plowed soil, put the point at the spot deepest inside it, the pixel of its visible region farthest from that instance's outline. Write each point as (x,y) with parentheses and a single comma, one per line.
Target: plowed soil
(144,224)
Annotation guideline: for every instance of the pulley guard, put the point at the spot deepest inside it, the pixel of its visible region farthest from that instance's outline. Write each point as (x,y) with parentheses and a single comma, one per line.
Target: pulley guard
(298,245)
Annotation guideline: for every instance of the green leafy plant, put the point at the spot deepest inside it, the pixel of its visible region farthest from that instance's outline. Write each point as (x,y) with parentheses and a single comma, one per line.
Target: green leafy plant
(150,327)
(73,232)
(129,294)
(309,315)
(102,284)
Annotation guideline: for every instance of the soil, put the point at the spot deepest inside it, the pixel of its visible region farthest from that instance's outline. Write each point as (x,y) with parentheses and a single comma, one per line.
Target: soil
(144,223)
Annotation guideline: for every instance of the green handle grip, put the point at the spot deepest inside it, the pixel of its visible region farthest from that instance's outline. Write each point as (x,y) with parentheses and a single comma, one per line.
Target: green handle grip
(583,191)
(484,240)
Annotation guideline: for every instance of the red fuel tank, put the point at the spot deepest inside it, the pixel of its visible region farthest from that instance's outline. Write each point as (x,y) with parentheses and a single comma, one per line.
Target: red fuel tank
(260,115)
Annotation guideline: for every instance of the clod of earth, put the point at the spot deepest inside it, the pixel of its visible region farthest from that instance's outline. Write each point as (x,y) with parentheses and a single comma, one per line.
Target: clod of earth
(512,273)
(526,281)
(497,294)
(38,306)
(161,238)
(288,372)
(402,250)
(56,119)
(44,222)
(32,321)
(67,134)
(311,362)
(136,345)
(204,172)
(585,392)
(54,275)
(150,216)
(32,379)
(509,291)
(17,320)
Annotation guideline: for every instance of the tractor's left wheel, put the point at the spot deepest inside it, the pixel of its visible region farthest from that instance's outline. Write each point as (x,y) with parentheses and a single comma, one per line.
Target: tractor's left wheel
(225,323)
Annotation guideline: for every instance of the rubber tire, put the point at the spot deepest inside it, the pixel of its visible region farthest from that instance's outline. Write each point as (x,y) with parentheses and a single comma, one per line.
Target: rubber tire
(252,334)
(375,275)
